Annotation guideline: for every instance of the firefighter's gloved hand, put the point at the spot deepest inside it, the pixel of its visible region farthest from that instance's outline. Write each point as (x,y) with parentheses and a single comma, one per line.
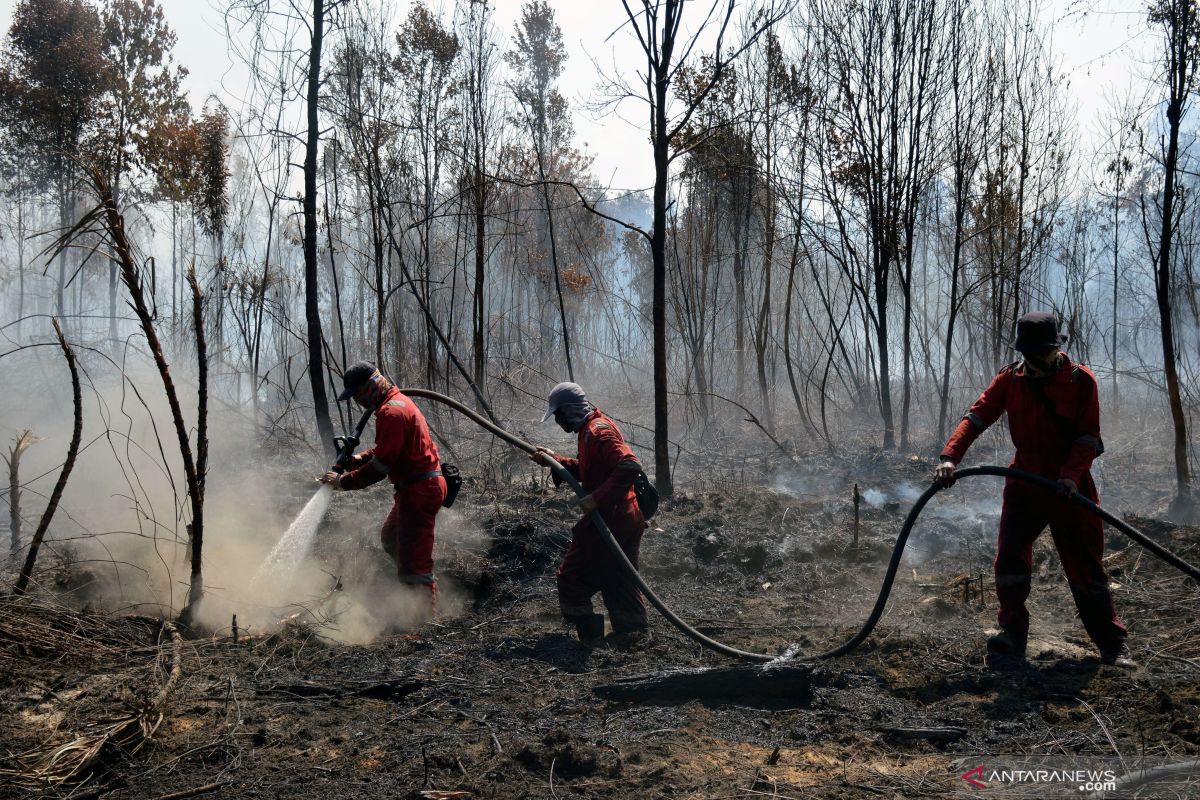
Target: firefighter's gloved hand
(587,504)
(1067,487)
(944,474)
(331,478)
(538,456)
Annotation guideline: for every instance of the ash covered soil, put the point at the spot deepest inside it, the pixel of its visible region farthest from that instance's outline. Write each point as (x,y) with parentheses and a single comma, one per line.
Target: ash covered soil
(496,699)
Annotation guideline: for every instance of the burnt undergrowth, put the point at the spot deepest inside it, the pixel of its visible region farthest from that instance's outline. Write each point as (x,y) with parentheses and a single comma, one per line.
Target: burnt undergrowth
(498,700)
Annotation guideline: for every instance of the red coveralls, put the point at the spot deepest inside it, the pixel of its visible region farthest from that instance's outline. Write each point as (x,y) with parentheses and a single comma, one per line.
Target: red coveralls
(1055,425)
(406,455)
(606,468)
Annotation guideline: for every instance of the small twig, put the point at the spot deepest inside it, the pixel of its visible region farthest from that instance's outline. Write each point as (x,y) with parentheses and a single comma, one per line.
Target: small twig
(1103,729)
(205,789)
(1190,662)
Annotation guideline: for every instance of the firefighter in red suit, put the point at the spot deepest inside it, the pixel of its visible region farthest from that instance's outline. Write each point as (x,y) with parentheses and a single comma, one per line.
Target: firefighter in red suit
(406,455)
(1054,420)
(606,468)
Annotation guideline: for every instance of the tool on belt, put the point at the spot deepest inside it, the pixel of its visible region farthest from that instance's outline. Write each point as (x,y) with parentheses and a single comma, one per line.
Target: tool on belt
(450,472)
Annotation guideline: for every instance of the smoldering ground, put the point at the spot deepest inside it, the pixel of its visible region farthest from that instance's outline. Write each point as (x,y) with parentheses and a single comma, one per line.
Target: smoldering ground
(119,539)
(500,702)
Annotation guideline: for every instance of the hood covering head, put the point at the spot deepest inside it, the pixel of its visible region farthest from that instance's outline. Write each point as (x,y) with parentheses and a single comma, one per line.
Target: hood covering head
(570,400)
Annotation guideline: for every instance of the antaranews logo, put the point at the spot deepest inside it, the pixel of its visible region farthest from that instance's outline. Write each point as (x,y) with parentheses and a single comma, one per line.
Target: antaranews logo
(992,777)
(1032,776)
(973,776)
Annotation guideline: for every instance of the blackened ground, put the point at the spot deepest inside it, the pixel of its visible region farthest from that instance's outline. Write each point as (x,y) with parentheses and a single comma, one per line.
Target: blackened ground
(498,700)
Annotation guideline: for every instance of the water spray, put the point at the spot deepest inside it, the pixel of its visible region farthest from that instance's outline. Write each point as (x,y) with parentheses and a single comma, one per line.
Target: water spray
(294,545)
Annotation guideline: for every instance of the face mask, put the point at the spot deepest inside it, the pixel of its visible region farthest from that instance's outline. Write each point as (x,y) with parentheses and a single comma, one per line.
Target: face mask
(571,417)
(373,393)
(1039,367)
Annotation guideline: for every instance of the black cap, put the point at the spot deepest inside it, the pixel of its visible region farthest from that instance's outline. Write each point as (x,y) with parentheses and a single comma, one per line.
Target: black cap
(355,377)
(1037,330)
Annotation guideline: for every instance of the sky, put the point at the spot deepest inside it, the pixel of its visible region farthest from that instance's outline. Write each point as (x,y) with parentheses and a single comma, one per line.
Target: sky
(1101,46)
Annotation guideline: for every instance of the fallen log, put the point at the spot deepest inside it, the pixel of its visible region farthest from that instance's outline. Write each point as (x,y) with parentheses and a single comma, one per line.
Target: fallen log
(207,788)
(392,689)
(944,733)
(788,682)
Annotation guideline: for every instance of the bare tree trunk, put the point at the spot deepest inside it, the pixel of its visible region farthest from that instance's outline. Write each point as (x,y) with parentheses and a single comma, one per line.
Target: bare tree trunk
(478,309)
(762,336)
(22,442)
(192,465)
(1115,407)
(951,319)
(740,226)
(885,378)
(963,112)
(20,251)
(801,402)
(60,296)
(196,578)
(312,311)
(657,39)
(112,265)
(1180,23)
(658,252)
(69,464)
(380,289)
(562,309)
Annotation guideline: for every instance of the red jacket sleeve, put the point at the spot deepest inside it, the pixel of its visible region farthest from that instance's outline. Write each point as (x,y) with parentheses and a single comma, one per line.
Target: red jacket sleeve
(1087,444)
(571,465)
(388,447)
(613,451)
(369,474)
(985,411)
(358,459)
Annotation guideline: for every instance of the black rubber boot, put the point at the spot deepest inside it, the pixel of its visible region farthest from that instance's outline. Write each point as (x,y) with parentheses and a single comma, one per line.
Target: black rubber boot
(590,630)
(628,641)
(1007,646)
(1118,655)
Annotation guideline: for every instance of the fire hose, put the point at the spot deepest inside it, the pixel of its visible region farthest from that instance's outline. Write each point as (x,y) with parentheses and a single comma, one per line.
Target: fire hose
(893,565)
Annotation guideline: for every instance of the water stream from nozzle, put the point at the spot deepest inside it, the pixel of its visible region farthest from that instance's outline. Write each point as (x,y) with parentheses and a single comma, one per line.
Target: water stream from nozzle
(277,568)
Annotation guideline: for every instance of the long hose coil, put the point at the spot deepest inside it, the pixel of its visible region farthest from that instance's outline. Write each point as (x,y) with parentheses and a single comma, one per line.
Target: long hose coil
(893,565)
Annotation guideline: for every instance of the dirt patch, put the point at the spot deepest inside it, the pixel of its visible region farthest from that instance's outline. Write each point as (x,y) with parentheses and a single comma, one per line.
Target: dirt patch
(498,700)
(570,757)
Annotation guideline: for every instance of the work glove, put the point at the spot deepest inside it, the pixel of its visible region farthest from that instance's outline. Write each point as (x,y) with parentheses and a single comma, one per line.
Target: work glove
(331,478)
(538,456)
(1067,487)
